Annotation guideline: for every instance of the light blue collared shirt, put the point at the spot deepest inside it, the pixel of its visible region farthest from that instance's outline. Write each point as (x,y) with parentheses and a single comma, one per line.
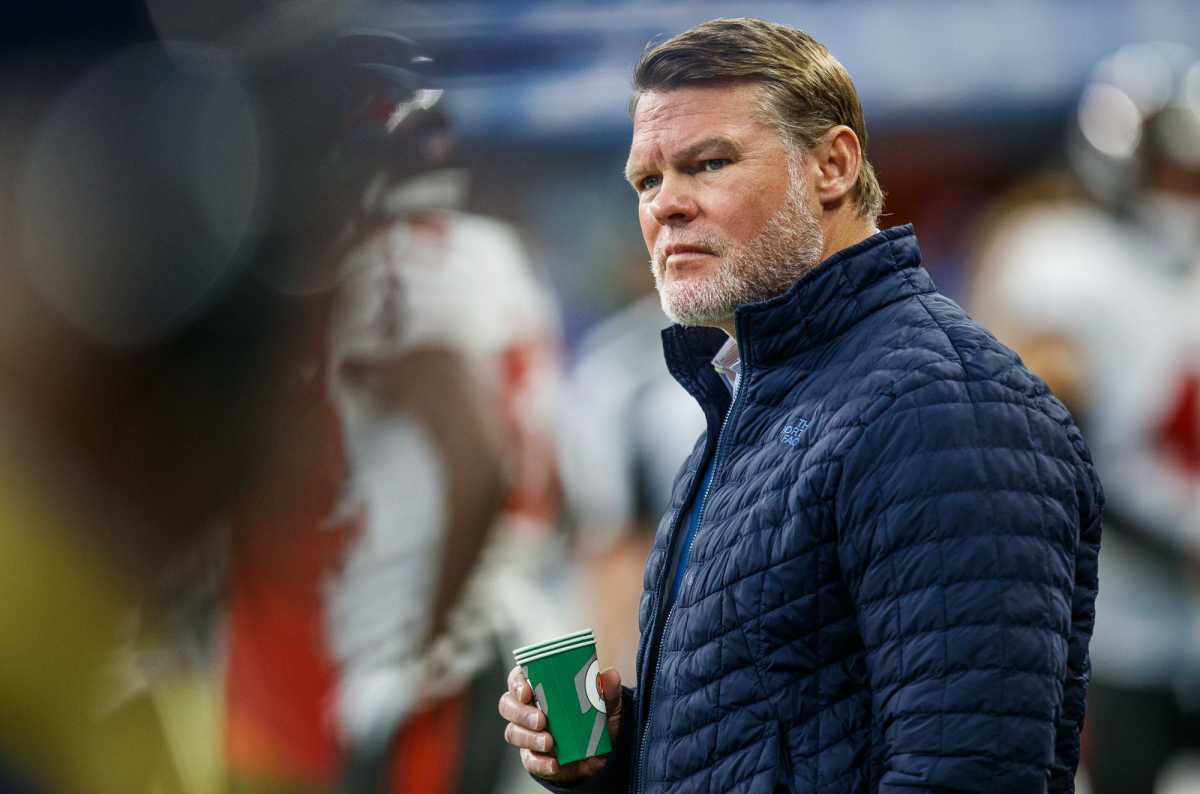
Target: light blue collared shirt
(728,364)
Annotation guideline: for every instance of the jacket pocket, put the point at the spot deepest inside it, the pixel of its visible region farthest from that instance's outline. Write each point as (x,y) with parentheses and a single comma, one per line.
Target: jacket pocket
(785,776)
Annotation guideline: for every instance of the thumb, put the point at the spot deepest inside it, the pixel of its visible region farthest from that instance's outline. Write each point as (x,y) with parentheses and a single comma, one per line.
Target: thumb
(609,683)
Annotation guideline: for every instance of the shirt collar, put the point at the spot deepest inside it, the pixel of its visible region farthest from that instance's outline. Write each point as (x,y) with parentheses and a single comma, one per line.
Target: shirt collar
(728,363)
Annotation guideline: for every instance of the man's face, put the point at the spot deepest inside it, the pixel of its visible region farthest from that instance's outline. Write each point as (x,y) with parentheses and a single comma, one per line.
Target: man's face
(724,208)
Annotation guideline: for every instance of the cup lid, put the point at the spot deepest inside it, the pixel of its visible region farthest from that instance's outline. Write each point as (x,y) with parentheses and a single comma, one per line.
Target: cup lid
(575,635)
(525,659)
(558,646)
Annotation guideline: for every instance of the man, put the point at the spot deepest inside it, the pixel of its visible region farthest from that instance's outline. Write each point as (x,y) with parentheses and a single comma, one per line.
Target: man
(878,569)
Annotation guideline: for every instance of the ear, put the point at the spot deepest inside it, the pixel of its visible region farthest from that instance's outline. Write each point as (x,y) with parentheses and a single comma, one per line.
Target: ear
(838,156)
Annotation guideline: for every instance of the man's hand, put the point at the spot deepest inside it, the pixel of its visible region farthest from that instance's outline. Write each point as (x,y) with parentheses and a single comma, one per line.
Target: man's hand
(526,729)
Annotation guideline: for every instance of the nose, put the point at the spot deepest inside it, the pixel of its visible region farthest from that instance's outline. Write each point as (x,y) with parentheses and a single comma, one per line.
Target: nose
(674,203)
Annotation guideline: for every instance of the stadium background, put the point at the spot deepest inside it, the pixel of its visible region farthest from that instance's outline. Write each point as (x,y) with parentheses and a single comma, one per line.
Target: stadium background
(964,102)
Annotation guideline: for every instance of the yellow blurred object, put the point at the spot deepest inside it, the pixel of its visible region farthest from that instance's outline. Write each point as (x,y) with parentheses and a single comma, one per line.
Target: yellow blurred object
(60,611)
(72,720)
(190,708)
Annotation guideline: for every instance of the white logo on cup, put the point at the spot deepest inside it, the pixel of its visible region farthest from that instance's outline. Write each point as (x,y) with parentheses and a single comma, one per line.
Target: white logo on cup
(593,694)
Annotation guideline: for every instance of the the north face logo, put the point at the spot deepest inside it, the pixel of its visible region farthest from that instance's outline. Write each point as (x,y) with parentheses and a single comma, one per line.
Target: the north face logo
(790,434)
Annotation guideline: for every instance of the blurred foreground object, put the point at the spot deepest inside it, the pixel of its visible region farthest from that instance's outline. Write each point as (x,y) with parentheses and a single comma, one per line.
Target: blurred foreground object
(137,407)
(153,192)
(1099,293)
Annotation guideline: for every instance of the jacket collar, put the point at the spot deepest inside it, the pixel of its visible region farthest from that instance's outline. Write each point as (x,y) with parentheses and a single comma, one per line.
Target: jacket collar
(835,295)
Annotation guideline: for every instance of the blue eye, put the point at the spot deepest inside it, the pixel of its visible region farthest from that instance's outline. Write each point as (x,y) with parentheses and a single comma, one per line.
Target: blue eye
(714,165)
(649,182)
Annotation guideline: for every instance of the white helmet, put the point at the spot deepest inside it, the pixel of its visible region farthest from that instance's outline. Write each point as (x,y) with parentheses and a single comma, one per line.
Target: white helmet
(1142,101)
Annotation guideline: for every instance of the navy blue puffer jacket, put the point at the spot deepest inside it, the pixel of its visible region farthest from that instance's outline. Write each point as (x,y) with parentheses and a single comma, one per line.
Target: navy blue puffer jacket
(892,586)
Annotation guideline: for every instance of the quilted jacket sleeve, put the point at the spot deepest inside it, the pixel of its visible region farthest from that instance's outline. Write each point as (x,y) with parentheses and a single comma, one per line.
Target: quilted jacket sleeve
(960,515)
(1083,619)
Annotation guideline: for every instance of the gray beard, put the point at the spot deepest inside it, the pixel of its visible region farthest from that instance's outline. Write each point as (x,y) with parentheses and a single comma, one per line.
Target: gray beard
(788,247)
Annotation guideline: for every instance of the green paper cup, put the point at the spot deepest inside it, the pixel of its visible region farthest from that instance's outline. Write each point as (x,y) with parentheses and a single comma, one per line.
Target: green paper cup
(562,673)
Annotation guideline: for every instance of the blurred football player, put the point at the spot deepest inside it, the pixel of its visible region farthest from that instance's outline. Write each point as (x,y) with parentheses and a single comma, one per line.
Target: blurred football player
(373,611)
(1099,295)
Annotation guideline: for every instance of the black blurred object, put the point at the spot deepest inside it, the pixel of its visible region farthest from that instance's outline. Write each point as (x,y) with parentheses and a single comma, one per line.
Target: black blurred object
(41,24)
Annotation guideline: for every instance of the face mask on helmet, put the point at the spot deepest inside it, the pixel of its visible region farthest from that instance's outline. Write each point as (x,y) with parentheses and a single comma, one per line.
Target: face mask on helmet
(341,117)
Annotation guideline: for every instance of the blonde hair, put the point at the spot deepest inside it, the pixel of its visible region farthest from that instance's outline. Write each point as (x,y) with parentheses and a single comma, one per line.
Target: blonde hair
(806,91)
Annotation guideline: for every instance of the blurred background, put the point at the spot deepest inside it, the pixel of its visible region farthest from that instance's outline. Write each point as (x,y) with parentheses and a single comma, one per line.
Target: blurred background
(262,261)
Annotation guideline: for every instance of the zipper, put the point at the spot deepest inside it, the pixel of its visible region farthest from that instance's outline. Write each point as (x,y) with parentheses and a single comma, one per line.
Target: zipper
(785,758)
(644,750)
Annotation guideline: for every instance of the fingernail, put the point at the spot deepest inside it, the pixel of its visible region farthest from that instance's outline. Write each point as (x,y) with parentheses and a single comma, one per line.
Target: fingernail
(541,743)
(532,720)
